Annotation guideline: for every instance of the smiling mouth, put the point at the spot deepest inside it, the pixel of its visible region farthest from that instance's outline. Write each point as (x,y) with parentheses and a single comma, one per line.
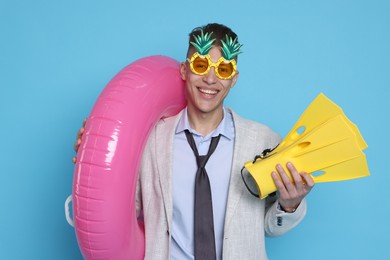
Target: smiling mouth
(208,91)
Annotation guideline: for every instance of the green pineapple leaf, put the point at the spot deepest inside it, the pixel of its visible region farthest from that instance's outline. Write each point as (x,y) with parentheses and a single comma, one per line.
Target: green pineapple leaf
(203,43)
(230,48)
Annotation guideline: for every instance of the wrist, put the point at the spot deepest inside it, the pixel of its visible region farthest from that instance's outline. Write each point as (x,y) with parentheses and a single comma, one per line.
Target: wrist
(287,209)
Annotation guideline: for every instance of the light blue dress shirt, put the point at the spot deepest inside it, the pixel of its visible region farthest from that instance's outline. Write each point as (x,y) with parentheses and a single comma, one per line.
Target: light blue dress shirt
(184,169)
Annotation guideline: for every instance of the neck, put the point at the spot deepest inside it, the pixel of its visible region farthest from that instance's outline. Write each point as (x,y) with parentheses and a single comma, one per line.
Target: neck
(204,123)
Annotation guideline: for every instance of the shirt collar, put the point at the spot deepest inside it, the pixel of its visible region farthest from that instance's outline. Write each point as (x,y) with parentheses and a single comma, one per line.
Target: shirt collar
(225,128)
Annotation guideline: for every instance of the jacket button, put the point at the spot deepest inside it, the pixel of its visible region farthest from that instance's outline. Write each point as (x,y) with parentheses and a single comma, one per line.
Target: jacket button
(279,221)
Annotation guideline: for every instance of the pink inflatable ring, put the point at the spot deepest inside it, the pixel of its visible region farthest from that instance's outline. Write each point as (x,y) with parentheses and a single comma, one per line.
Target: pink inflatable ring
(108,160)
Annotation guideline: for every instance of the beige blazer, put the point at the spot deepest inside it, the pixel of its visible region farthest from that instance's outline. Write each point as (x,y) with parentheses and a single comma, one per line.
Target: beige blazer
(248,219)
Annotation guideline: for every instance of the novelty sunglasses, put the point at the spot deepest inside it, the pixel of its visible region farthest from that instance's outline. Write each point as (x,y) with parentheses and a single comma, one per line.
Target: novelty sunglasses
(201,65)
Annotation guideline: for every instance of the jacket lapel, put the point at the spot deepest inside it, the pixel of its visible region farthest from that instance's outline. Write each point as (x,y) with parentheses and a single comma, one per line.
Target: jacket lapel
(243,140)
(165,130)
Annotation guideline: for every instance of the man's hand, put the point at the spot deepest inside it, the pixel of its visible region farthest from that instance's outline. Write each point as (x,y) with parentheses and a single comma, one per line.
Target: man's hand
(291,193)
(78,140)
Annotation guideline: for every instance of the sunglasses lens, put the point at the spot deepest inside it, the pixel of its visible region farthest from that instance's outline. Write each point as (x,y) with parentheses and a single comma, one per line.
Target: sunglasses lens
(225,69)
(200,65)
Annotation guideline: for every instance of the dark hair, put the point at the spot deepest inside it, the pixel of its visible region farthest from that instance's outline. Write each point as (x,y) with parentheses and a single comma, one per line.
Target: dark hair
(219,33)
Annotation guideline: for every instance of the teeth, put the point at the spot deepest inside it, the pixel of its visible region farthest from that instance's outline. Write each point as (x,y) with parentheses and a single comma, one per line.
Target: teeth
(208,91)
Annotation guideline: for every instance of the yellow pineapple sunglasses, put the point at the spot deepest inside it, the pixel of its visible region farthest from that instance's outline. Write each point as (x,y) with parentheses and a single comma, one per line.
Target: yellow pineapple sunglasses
(201,65)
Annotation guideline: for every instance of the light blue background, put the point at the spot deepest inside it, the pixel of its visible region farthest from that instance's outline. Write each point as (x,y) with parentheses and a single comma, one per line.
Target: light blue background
(57,56)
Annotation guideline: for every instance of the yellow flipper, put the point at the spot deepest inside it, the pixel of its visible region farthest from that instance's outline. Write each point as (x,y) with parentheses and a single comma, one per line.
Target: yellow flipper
(318,112)
(330,147)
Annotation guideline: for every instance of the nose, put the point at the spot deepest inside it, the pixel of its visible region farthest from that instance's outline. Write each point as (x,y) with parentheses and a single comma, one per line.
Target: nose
(210,77)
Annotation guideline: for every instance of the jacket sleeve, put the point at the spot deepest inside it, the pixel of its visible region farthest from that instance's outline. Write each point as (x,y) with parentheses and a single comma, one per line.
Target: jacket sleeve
(277,222)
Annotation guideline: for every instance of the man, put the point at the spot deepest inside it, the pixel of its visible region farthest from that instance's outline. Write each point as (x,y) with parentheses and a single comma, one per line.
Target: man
(168,173)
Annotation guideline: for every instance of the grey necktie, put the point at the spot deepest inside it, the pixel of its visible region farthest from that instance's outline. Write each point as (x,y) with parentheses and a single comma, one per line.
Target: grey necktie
(203,218)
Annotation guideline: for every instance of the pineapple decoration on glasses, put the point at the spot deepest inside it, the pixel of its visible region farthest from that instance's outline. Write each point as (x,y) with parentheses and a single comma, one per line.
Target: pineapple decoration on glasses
(201,63)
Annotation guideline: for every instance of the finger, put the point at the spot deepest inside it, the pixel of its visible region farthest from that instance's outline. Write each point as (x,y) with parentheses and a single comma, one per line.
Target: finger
(308,180)
(288,183)
(78,139)
(279,184)
(297,178)
(77,145)
(80,132)
(82,128)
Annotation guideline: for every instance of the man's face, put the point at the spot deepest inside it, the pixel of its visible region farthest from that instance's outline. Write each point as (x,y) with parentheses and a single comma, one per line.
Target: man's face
(206,93)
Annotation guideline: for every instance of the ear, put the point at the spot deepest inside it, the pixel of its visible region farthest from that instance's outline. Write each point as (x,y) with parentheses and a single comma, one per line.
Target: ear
(234,79)
(183,70)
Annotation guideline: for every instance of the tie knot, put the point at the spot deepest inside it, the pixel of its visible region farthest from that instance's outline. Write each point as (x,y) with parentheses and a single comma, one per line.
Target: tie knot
(201,160)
